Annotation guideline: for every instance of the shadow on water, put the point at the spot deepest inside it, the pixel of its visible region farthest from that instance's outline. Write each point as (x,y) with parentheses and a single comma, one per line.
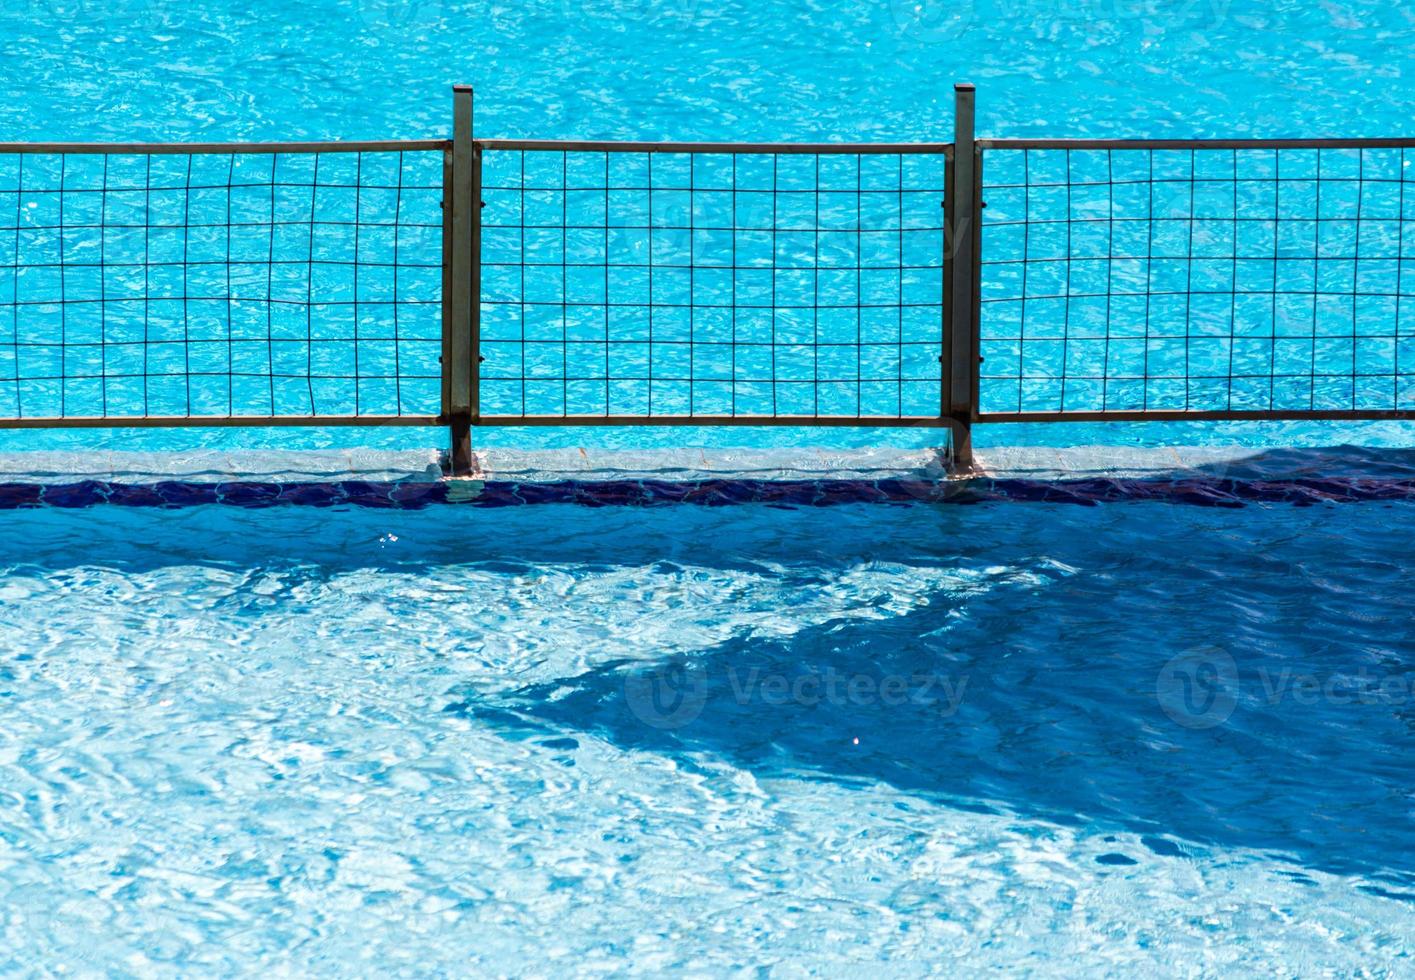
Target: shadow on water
(1297,476)
(1356,462)
(1257,464)
(1236,680)
(1062,734)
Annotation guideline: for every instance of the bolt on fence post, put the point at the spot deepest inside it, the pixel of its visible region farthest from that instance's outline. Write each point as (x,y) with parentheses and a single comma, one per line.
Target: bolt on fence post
(461,356)
(960,353)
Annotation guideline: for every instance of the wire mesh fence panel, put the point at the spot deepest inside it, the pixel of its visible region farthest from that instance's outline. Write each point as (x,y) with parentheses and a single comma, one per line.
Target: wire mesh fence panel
(220,284)
(689,285)
(1239,279)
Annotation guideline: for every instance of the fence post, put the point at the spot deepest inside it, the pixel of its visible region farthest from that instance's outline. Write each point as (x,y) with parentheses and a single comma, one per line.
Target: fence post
(462,351)
(961,370)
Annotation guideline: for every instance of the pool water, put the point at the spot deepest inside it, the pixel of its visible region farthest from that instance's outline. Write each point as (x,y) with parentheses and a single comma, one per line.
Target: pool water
(463,740)
(124,70)
(1121,738)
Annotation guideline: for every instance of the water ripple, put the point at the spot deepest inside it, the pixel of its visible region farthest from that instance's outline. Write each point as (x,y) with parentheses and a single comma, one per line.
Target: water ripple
(303,737)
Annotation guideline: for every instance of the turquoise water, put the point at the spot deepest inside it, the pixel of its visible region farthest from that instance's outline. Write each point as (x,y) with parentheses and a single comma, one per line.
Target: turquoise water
(1128,738)
(688,70)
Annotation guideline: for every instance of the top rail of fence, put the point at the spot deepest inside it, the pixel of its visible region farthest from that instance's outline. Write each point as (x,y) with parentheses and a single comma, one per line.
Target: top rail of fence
(180,149)
(640,146)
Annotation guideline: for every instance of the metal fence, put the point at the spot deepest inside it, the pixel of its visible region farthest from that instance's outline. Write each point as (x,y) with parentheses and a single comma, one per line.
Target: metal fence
(724,284)
(1196,279)
(220,284)
(469,282)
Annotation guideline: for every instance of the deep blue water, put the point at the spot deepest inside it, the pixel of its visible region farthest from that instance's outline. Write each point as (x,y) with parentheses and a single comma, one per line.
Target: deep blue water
(1126,738)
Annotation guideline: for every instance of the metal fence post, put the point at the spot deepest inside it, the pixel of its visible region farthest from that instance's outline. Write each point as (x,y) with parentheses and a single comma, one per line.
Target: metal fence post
(461,360)
(961,360)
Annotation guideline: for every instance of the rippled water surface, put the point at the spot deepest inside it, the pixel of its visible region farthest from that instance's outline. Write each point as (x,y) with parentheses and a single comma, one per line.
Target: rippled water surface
(689,69)
(1131,737)
(1071,738)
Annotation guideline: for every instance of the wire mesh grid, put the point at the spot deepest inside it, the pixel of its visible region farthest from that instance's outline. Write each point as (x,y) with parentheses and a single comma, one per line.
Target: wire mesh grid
(1215,280)
(674,284)
(211,285)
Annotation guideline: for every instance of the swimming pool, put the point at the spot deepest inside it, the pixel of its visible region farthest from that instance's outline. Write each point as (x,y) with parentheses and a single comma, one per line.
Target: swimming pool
(1143,734)
(457,739)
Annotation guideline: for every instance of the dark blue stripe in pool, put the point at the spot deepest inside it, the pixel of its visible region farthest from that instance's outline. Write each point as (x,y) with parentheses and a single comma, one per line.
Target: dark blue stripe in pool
(1203,491)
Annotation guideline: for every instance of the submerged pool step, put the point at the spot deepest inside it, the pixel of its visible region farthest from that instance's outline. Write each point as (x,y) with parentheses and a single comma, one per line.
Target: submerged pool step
(409,495)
